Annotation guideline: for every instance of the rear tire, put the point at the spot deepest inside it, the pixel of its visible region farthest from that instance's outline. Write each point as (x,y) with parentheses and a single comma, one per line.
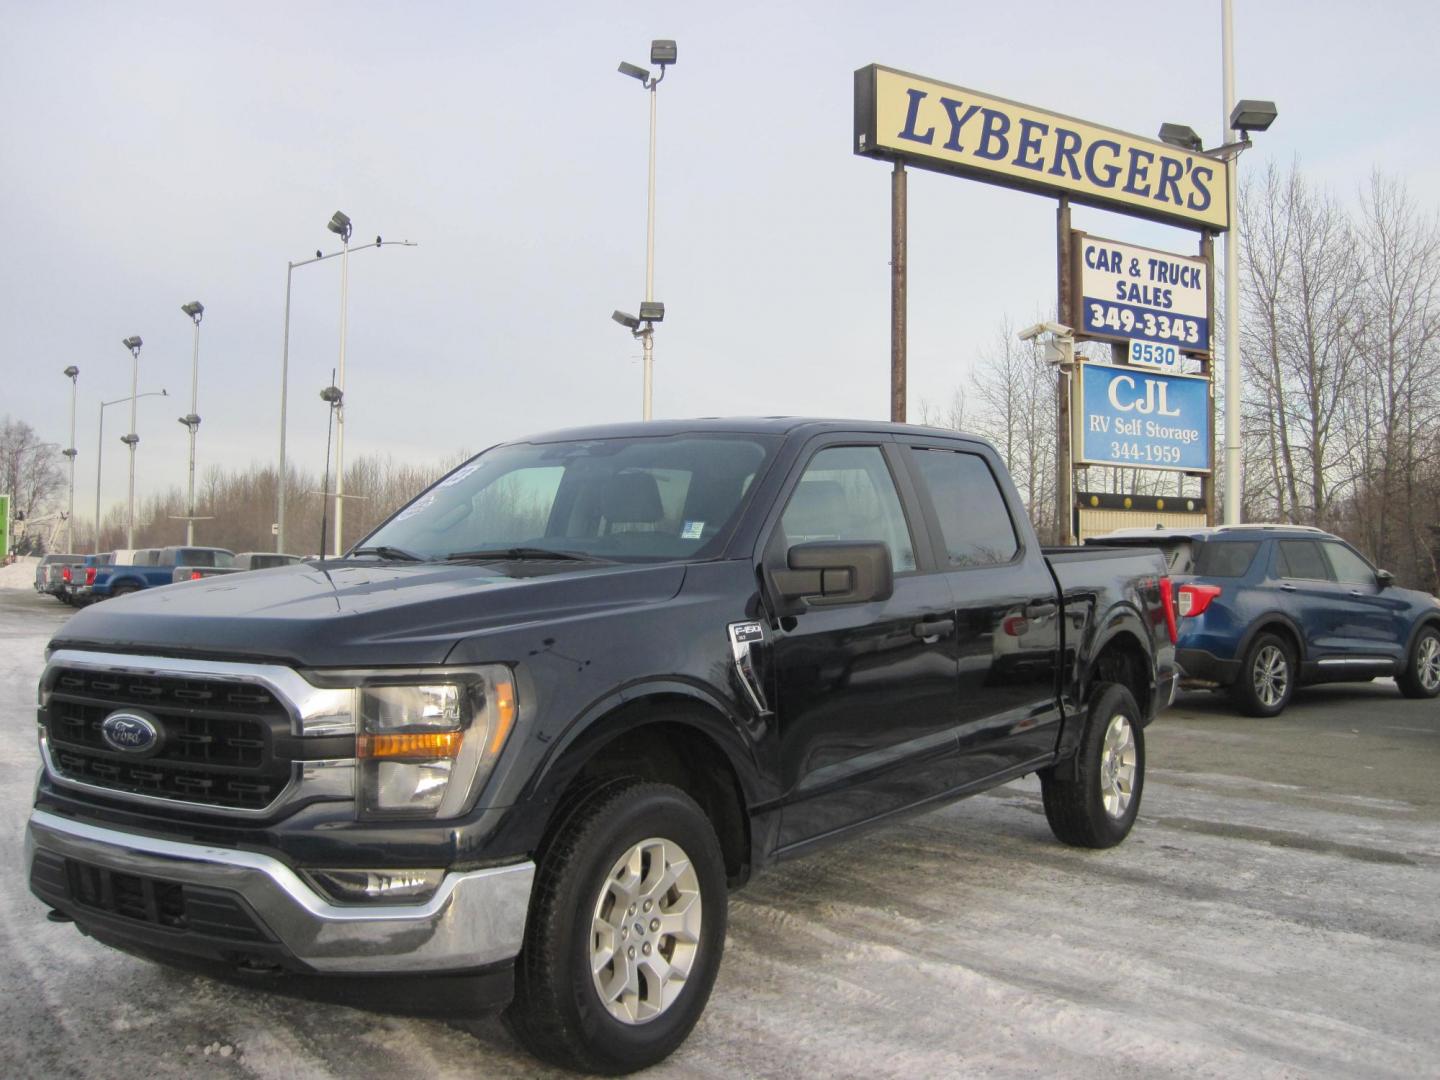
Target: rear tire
(601,986)
(124,590)
(1266,681)
(1421,677)
(1093,801)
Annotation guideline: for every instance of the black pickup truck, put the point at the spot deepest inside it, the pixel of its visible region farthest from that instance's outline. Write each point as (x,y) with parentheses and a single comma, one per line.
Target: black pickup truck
(536,725)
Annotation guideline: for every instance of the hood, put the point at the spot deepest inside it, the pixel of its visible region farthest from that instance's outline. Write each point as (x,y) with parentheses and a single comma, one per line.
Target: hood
(358,613)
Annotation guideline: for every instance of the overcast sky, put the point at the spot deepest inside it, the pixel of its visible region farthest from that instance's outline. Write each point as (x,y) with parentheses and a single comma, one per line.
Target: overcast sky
(156,153)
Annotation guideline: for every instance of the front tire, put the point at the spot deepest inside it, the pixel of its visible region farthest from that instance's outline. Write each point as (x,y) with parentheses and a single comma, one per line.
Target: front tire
(1421,677)
(1266,681)
(1094,800)
(625,933)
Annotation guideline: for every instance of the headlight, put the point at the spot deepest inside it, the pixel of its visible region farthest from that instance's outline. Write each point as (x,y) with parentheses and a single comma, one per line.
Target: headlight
(425,749)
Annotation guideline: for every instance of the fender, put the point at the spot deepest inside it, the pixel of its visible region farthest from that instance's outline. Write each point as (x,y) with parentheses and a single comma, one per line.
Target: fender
(1428,619)
(1267,621)
(1122,618)
(614,714)
(122,579)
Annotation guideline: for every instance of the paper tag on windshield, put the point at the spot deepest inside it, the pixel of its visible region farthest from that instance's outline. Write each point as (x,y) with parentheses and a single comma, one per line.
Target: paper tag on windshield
(692,530)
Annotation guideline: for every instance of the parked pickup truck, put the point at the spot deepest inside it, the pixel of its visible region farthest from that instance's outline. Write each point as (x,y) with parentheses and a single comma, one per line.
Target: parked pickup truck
(149,571)
(245,561)
(47,582)
(536,725)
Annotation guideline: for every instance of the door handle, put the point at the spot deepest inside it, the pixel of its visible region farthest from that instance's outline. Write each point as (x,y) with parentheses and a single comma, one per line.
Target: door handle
(1287,588)
(1041,610)
(933,629)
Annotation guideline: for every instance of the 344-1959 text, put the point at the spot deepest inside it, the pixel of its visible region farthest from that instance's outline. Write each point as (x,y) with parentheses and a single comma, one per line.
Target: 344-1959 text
(1146,452)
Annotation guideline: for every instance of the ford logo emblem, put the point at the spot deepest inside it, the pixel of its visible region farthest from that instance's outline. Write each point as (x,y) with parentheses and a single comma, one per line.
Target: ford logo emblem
(130,732)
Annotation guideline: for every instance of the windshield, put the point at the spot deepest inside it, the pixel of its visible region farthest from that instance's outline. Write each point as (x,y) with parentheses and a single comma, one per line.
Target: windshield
(627,500)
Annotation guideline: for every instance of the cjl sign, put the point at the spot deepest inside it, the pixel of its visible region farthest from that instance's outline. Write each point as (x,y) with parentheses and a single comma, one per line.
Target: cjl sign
(1142,419)
(1141,294)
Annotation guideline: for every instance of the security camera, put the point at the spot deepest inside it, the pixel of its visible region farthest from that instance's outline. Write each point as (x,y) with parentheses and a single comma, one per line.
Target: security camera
(1058,329)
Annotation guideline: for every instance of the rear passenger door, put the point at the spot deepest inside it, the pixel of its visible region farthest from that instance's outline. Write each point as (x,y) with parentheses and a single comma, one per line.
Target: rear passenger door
(1007,614)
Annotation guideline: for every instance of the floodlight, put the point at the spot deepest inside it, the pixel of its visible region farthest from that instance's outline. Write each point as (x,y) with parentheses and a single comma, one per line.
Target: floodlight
(194,309)
(662,52)
(133,343)
(1182,136)
(630,322)
(339,224)
(1252,115)
(651,311)
(634,72)
(332,394)
(71,371)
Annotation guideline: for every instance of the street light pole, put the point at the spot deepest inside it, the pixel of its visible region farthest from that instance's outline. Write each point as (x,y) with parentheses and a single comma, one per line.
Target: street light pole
(100,449)
(1232,282)
(72,373)
(340,225)
(196,311)
(132,439)
(649,339)
(663,54)
(290,268)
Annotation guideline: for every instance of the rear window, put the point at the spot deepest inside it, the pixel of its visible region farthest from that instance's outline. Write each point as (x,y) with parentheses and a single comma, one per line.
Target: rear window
(1225,558)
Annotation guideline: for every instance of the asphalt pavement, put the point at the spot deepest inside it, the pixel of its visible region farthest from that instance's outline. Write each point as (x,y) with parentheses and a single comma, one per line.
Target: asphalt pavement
(1272,915)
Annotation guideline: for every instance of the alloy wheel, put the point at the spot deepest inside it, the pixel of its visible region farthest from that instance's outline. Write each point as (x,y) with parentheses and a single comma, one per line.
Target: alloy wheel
(1118,758)
(645,931)
(1270,675)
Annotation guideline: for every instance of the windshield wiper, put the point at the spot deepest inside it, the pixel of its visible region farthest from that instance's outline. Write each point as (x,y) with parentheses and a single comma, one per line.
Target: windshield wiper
(394,554)
(520,553)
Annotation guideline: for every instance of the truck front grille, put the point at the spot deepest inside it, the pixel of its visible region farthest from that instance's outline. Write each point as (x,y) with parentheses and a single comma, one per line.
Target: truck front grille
(217,737)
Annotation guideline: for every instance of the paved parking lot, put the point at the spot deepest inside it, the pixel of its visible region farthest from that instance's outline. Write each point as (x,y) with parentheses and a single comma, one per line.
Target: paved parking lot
(1273,914)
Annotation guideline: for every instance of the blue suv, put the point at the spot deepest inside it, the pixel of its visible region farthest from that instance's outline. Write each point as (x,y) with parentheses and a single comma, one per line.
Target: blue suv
(1267,608)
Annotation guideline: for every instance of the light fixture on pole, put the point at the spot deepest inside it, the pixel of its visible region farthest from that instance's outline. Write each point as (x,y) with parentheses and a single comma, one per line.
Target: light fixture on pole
(340,226)
(191,420)
(73,374)
(1241,118)
(662,55)
(290,268)
(100,450)
(133,343)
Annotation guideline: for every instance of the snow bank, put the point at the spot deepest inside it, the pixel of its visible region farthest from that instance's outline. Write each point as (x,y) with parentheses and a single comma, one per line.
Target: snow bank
(20,574)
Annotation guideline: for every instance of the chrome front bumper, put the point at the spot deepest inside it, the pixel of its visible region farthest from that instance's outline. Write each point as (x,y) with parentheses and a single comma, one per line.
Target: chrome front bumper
(474,919)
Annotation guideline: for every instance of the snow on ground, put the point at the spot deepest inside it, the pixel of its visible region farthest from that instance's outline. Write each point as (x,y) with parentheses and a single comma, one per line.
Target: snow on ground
(1273,915)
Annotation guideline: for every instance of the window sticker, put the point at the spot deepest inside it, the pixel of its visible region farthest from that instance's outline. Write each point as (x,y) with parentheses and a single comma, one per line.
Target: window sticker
(692,530)
(456,477)
(416,507)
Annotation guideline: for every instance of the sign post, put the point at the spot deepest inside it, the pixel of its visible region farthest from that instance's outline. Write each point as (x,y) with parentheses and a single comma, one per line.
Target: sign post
(4,529)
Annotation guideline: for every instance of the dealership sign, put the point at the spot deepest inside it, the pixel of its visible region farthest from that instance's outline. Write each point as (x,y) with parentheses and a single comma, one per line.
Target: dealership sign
(1129,293)
(934,125)
(1143,419)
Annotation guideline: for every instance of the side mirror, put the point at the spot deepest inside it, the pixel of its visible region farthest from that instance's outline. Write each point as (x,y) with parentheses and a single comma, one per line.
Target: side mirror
(830,572)
(1384,578)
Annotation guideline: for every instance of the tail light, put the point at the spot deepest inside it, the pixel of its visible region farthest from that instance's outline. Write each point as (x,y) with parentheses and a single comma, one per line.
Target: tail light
(65,575)
(1194,599)
(195,575)
(90,575)
(1167,601)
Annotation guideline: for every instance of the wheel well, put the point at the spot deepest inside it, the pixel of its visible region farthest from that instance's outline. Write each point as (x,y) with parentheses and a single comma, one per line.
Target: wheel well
(1123,661)
(1280,629)
(670,751)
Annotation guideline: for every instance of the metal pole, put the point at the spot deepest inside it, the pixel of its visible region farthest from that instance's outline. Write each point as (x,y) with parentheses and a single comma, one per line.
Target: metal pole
(1207,482)
(284,393)
(134,439)
(1064,452)
(70,453)
(99,457)
(1232,284)
(646,407)
(898,284)
(193,423)
(340,416)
